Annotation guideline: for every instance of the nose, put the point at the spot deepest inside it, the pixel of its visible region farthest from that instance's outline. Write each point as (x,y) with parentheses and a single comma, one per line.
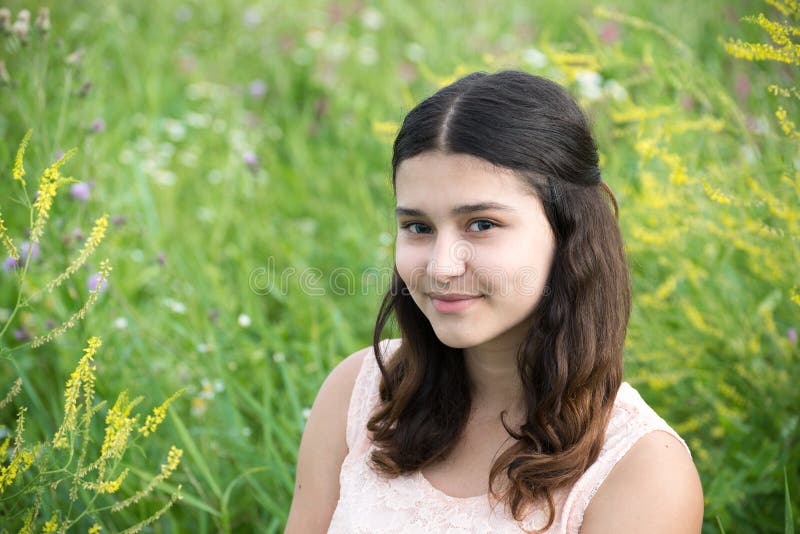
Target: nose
(449,259)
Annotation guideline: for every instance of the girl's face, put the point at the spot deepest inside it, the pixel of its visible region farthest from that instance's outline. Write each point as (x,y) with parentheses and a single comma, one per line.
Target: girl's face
(473,246)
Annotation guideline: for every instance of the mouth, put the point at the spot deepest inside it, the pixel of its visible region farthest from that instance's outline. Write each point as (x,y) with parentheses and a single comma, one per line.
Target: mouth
(453,303)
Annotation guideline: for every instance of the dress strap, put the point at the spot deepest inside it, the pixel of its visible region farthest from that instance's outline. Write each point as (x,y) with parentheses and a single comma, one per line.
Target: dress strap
(365,397)
(632,418)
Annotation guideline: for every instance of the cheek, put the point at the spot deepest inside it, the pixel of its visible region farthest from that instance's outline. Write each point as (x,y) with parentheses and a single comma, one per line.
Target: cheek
(519,271)
(410,262)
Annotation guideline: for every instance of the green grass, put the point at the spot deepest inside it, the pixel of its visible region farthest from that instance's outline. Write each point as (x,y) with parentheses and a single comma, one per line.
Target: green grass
(171,82)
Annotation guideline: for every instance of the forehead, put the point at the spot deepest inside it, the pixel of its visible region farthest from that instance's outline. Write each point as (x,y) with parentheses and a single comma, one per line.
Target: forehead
(439,178)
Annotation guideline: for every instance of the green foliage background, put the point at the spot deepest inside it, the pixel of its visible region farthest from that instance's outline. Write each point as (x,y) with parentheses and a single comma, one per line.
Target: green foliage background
(211,184)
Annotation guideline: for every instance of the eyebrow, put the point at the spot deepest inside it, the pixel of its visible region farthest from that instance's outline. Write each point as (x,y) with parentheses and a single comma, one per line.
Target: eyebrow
(458,210)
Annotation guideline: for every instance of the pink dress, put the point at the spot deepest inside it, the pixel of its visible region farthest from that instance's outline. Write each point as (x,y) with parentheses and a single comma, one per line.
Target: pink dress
(369,504)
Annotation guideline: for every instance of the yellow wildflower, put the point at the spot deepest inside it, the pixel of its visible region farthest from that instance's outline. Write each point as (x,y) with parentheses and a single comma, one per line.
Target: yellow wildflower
(26,526)
(787,125)
(158,415)
(763,52)
(385,130)
(697,320)
(781,34)
(119,425)
(385,127)
(49,183)
(6,239)
(96,236)
(19,170)
(51,525)
(707,123)
(783,91)
(82,376)
(111,486)
(22,460)
(572,63)
(173,459)
(94,530)
(461,70)
(666,288)
(715,194)
(787,7)
(794,295)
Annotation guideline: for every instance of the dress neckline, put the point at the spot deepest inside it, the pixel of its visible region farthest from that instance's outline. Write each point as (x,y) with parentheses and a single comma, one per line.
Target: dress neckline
(421,480)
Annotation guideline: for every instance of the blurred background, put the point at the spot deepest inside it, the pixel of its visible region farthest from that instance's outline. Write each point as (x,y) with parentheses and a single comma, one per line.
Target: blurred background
(241,155)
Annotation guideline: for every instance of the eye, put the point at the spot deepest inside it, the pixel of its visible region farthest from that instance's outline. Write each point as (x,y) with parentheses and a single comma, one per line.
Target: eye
(483,224)
(408,227)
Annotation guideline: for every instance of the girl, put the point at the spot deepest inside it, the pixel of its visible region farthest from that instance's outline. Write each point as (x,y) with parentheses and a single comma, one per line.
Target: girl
(502,407)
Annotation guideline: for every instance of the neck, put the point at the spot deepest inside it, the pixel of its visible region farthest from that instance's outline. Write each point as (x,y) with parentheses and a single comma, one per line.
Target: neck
(496,386)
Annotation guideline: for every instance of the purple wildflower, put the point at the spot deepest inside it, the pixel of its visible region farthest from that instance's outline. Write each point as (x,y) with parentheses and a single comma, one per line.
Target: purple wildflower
(161,258)
(80,191)
(257,88)
(94,281)
(98,125)
(21,334)
(25,248)
(792,335)
(10,264)
(251,160)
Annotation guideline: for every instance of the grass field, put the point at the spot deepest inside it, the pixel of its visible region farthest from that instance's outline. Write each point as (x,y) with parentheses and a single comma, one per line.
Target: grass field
(241,153)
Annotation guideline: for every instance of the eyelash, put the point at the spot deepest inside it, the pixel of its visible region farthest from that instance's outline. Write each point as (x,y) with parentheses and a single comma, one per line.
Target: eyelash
(406,226)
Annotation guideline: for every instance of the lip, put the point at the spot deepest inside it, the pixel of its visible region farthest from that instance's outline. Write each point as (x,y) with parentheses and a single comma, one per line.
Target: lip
(451,296)
(453,302)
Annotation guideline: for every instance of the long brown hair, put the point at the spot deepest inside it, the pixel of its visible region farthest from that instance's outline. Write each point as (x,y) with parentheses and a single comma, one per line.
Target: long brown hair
(570,363)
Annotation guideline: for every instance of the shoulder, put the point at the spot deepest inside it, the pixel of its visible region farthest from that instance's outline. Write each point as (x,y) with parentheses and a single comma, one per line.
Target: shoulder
(336,391)
(323,449)
(653,488)
(338,386)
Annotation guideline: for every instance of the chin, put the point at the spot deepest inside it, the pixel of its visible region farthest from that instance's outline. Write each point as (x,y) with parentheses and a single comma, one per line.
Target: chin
(456,340)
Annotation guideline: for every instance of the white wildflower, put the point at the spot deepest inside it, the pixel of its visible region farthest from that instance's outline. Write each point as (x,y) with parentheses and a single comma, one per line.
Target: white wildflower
(372,19)
(535,58)
(174,305)
(589,84)
(415,52)
(315,38)
(615,90)
(367,55)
